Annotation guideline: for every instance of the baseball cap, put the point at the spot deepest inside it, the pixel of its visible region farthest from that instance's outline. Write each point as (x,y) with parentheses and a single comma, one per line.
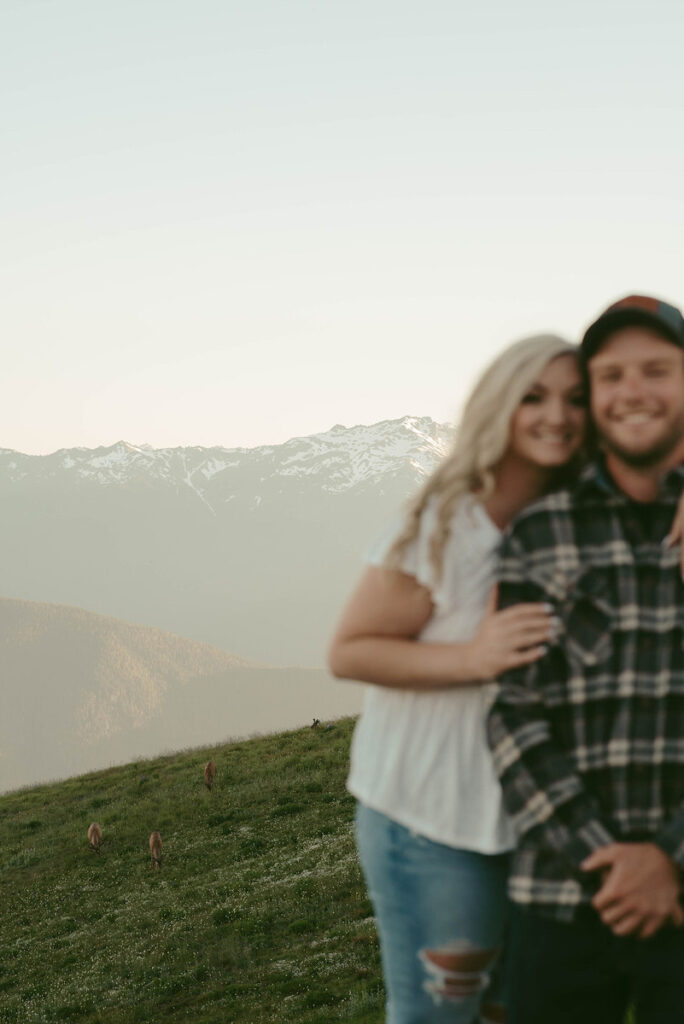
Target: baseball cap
(634,311)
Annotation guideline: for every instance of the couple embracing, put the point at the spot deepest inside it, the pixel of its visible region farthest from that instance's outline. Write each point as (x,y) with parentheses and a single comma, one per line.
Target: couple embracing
(523,839)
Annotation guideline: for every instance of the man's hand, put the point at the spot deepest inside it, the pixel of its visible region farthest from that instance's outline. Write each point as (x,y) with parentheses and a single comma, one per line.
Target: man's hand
(640,890)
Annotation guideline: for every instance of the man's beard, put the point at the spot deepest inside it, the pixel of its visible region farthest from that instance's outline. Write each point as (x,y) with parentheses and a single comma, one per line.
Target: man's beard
(650,457)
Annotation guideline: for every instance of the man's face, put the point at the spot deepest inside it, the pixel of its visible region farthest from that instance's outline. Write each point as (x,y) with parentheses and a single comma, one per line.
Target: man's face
(637,396)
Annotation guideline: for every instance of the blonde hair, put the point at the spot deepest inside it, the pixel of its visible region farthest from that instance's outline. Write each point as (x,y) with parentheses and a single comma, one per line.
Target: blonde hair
(481,440)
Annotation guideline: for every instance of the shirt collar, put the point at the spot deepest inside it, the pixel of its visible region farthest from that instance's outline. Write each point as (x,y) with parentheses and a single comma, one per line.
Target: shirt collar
(596,479)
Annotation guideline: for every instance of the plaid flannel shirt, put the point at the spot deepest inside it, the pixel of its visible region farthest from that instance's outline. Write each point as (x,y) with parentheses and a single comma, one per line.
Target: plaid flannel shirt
(589,740)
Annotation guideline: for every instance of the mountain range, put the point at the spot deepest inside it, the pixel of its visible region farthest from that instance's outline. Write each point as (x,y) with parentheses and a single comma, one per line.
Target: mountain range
(251,550)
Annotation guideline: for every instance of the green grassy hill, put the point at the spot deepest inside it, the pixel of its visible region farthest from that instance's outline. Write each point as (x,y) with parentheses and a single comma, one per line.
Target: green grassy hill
(258,914)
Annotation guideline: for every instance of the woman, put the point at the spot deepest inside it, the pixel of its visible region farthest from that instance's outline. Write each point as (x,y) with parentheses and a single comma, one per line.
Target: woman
(422,625)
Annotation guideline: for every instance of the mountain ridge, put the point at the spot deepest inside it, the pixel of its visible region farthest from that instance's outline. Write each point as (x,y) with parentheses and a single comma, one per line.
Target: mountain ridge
(351,455)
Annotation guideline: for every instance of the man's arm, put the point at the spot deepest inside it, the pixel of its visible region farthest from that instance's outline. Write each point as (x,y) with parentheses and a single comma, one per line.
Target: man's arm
(542,790)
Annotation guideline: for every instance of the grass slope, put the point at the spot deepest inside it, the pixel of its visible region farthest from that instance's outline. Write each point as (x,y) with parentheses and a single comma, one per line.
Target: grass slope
(259,913)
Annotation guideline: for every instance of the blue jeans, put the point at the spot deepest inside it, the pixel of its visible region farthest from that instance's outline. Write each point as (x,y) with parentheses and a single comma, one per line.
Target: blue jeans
(441,914)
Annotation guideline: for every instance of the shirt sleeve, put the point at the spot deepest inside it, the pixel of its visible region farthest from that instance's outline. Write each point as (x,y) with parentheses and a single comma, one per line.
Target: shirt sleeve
(415,560)
(542,790)
(670,839)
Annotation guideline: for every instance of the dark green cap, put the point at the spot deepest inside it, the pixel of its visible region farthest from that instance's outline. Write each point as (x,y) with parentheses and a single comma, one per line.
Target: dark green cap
(634,311)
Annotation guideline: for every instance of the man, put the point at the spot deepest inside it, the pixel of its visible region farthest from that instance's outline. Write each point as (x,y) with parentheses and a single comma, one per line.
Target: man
(589,740)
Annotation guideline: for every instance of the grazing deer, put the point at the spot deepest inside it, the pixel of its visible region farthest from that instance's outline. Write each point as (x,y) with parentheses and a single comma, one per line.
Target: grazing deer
(95,837)
(155,851)
(316,722)
(209,773)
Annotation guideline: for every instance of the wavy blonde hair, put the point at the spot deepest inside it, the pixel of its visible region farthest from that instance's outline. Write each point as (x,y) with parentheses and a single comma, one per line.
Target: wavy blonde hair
(481,440)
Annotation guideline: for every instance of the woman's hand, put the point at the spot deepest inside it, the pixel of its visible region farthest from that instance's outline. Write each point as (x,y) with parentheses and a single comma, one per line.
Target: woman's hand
(510,638)
(677,533)
(376,641)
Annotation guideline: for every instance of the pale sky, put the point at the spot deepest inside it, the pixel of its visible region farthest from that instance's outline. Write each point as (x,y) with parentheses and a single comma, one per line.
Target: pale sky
(229,222)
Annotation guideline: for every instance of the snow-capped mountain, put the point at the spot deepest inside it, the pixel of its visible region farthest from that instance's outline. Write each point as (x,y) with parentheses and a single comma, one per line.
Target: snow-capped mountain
(250,549)
(338,460)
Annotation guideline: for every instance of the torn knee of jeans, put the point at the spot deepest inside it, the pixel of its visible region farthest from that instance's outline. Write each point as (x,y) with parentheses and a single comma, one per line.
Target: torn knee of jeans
(457,971)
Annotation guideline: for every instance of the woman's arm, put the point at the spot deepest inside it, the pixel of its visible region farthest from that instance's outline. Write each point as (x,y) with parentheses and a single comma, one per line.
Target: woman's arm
(376,641)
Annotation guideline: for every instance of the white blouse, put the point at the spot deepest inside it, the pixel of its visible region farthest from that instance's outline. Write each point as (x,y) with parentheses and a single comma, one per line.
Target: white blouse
(421,757)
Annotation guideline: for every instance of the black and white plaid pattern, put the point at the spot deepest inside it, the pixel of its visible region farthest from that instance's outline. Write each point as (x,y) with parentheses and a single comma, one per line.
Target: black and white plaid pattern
(589,740)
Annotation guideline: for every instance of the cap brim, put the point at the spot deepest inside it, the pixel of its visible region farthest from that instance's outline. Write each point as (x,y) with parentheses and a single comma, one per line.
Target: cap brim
(619,318)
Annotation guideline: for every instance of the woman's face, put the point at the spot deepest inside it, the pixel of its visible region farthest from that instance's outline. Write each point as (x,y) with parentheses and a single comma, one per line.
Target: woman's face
(548,426)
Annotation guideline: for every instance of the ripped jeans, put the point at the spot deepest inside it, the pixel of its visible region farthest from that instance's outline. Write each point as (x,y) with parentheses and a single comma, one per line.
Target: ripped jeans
(441,913)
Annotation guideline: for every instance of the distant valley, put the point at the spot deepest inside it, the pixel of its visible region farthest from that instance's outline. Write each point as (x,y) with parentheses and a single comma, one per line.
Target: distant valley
(250,550)
(160,599)
(81,691)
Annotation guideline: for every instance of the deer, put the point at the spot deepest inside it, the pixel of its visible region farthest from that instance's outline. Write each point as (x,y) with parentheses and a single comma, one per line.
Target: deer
(155,851)
(209,773)
(95,837)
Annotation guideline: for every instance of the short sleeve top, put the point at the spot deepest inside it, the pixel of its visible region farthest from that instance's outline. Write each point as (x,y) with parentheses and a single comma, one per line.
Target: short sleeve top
(421,757)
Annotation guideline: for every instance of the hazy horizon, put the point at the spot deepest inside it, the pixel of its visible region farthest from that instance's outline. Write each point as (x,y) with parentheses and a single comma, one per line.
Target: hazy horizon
(144,446)
(135,586)
(152,578)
